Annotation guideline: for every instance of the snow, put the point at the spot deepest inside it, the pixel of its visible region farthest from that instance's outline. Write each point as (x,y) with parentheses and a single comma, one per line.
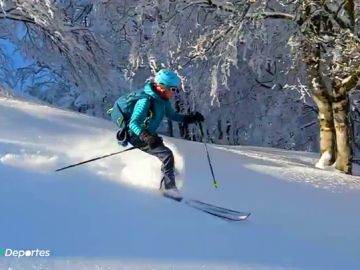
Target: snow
(324,160)
(108,214)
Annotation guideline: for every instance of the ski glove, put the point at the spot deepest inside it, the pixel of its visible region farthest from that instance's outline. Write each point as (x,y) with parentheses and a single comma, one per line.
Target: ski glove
(193,118)
(152,140)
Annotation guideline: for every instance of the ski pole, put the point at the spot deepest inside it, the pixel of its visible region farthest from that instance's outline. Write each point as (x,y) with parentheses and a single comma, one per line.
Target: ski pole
(93,159)
(215,183)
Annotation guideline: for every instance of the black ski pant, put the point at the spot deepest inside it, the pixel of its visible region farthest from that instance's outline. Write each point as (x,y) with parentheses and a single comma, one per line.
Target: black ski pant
(165,155)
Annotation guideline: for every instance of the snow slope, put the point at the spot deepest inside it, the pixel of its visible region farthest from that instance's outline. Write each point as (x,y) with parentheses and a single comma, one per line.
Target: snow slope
(109,215)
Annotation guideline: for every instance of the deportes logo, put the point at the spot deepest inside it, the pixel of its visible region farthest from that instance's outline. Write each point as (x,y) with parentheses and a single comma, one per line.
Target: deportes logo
(19,253)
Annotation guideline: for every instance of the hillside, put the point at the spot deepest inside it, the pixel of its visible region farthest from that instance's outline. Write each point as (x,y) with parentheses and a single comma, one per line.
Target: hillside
(109,215)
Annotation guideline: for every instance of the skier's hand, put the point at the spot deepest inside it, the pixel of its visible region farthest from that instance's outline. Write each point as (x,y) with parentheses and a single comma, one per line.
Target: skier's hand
(152,140)
(193,118)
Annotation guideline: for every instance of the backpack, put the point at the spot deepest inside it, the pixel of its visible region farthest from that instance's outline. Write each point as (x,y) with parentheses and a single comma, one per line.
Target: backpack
(122,110)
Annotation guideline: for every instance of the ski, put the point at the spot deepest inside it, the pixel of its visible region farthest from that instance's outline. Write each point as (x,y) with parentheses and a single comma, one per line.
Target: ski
(218,211)
(214,210)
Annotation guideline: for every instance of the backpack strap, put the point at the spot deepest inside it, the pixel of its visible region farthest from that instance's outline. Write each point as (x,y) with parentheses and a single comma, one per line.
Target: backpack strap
(121,111)
(152,106)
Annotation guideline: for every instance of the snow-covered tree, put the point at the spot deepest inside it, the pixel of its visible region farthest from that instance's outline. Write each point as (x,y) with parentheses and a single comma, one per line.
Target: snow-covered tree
(331,50)
(58,37)
(264,45)
(324,39)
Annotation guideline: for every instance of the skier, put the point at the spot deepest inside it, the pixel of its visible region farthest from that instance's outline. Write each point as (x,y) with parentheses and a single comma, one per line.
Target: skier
(146,118)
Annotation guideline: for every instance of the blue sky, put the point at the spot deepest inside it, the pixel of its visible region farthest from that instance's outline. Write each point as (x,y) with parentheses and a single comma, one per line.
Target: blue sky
(12,52)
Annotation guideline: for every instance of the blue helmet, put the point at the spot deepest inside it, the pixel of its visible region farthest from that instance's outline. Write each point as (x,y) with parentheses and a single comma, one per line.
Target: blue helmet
(167,78)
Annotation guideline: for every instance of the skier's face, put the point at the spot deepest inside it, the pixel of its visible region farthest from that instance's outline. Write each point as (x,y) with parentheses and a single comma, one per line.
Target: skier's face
(165,92)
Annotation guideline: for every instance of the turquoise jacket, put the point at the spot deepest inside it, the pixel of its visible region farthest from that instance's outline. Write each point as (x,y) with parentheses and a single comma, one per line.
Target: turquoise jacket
(140,119)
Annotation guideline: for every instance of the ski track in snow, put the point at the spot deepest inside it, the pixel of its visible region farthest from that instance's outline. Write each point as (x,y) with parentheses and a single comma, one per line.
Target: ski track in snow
(298,167)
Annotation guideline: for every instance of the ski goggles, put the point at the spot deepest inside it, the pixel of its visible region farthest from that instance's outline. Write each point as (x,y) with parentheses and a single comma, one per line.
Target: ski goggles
(170,88)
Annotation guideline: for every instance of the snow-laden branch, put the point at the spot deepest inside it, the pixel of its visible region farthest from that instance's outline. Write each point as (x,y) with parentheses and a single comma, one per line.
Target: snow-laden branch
(271,15)
(62,31)
(342,21)
(351,81)
(16,18)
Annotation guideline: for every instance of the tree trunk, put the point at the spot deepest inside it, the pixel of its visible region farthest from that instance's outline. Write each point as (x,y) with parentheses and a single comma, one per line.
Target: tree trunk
(327,132)
(323,101)
(341,104)
(326,121)
(340,109)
